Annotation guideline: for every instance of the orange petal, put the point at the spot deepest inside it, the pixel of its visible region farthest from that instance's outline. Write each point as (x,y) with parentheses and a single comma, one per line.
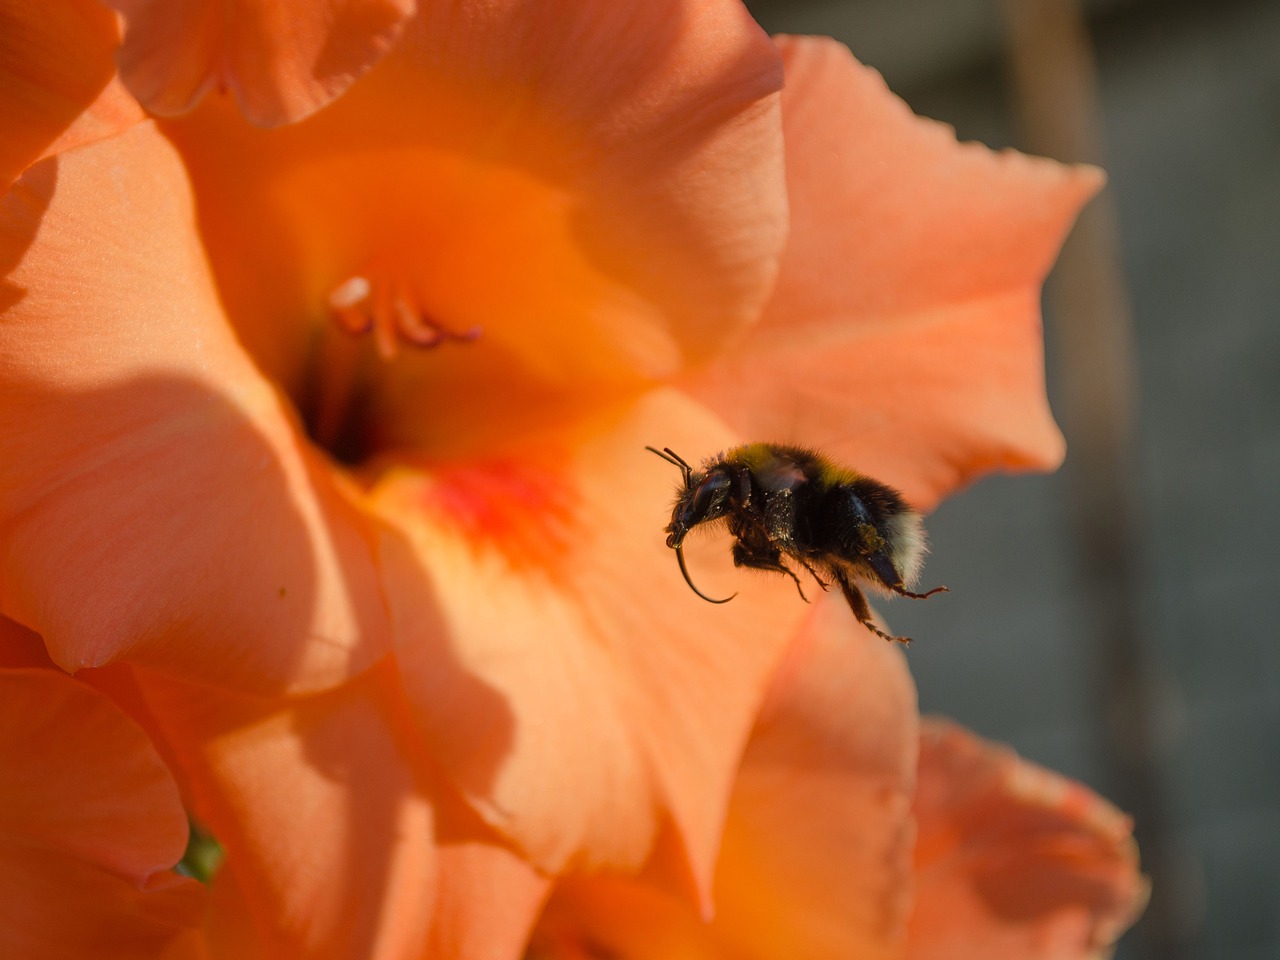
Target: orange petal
(904,334)
(616,917)
(57,81)
(90,822)
(1015,861)
(20,647)
(569,682)
(816,859)
(817,852)
(281,61)
(487,900)
(156,501)
(595,233)
(329,837)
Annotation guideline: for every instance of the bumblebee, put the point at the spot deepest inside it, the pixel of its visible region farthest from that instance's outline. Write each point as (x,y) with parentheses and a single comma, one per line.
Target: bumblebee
(785,503)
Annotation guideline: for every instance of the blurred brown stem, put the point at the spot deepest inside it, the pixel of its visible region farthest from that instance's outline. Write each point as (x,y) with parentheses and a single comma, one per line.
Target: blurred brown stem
(1054,89)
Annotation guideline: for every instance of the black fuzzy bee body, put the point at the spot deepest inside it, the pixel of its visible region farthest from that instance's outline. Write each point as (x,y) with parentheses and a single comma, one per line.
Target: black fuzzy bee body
(784,503)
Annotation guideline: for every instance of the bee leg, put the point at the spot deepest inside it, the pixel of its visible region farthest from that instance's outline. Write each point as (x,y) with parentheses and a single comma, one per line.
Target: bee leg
(919,596)
(814,573)
(744,556)
(888,575)
(858,603)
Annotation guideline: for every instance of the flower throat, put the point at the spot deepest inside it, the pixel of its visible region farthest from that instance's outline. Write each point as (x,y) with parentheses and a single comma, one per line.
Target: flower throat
(370,324)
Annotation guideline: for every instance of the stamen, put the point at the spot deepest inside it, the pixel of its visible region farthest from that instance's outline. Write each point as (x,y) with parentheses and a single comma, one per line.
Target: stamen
(375,304)
(347,301)
(390,312)
(346,295)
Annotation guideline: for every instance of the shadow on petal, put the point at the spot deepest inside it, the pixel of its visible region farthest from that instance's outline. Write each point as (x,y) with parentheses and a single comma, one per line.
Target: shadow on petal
(318,805)
(157,501)
(58,87)
(153,522)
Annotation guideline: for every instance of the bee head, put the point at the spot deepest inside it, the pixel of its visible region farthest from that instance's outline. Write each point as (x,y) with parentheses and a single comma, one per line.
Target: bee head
(703,497)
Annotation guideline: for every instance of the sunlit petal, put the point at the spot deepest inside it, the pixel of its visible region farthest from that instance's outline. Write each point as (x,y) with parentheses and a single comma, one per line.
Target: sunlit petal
(904,334)
(486,903)
(577,237)
(816,861)
(576,690)
(817,851)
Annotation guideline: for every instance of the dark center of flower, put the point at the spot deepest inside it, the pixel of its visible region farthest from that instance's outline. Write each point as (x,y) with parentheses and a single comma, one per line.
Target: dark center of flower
(371,323)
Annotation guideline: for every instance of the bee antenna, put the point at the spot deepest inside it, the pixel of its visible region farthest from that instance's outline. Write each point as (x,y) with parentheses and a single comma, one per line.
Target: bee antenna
(685,570)
(669,455)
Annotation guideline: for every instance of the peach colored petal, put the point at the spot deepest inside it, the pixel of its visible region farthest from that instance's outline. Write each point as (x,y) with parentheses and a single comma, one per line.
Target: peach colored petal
(1015,861)
(53,907)
(316,804)
(595,234)
(487,900)
(817,852)
(281,61)
(20,647)
(230,931)
(156,501)
(617,917)
(904,333)
(90,822)
(64,742)
(816,859)
(568,681)
(57,81)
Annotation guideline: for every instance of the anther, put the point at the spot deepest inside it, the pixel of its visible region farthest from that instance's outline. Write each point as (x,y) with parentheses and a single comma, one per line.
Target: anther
(349,302)
(391,315)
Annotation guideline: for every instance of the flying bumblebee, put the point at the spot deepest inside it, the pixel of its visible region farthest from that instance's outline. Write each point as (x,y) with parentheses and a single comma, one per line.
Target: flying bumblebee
(788,503)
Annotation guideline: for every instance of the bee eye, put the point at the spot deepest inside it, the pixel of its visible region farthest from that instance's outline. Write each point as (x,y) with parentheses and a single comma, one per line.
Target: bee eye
(708,498)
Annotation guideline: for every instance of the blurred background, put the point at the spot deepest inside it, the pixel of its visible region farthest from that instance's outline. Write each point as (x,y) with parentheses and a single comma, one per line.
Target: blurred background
(1118,621)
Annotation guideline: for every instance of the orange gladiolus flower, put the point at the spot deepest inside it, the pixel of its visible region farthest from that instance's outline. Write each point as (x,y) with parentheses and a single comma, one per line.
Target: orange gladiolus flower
(321,447)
